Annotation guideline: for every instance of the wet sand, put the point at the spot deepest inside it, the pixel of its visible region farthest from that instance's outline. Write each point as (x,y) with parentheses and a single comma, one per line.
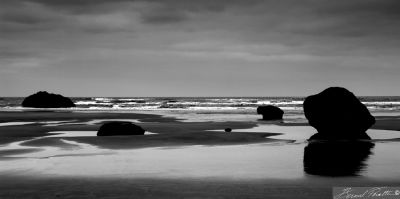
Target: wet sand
(26,187)
(170,131)
(183,159)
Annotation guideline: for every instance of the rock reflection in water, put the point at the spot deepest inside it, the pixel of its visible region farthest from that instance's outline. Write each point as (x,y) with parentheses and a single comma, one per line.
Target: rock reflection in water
(336,158)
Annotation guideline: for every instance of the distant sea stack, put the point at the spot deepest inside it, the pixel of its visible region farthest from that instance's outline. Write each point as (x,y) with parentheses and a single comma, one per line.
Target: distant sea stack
(43,99)
(336,113)
(120,128)
(270,112)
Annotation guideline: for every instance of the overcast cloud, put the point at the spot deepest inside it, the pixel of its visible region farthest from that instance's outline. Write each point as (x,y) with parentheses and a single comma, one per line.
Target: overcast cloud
(199,47)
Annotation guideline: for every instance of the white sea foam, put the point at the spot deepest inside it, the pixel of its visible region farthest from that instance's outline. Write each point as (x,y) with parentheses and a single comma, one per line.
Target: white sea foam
(216,104)
(382,103)
(44,123)
(92,103)
(102,99)
(80,133)
(93,122)
(131,99)
(15,123)
(56,122)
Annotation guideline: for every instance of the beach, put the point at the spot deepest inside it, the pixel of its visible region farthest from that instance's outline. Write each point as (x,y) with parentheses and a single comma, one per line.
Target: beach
(56,154)
(199,99)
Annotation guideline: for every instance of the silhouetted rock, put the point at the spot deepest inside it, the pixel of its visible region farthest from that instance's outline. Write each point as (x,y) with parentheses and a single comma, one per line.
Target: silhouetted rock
(44,99)
(336,158)
(270,112)
(120,128)
(228,130)
(336,113)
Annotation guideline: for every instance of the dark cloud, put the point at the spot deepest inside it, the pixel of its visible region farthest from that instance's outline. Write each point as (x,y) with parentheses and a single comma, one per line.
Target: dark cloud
(299,19)
(13,54)
(357,7)
(20,18)
(163,18)
(157,11)
(161,14)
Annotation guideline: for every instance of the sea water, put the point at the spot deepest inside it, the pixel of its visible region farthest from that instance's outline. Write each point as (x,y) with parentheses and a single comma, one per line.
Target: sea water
(239,104)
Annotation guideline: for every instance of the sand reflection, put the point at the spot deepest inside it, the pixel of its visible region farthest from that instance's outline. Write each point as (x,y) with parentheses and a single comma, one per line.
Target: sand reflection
(336,158)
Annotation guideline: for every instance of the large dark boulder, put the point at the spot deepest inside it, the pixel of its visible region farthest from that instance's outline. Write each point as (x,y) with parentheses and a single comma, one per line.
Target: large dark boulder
(336,113)
(120,128)
(44,99)
(270,112)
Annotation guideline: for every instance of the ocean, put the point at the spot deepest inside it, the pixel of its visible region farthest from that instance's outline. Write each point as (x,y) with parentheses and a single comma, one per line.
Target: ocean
(374,103)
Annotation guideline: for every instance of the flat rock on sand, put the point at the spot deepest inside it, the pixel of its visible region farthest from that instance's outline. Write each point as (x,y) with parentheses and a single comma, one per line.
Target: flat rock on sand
(120,128)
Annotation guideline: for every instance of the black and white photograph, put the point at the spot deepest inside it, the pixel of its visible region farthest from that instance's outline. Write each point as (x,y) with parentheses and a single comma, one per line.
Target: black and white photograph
(199,99)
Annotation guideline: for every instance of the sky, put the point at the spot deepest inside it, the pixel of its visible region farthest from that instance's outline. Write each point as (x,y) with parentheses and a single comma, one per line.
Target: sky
(199,47)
